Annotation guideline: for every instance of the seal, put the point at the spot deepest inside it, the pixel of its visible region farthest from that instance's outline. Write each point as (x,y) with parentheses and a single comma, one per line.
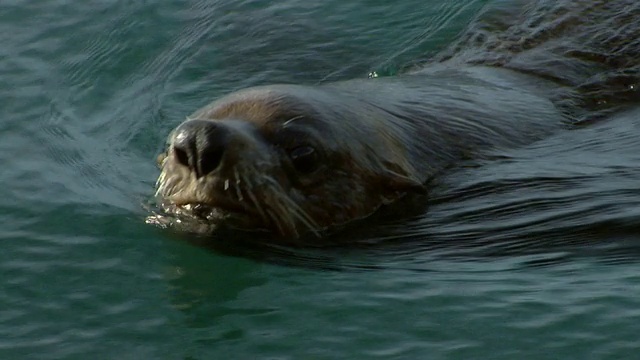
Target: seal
(292,159)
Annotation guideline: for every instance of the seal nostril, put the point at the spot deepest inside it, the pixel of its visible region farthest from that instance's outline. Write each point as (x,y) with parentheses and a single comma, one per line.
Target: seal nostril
(200,145)
(181,155)
(211,158)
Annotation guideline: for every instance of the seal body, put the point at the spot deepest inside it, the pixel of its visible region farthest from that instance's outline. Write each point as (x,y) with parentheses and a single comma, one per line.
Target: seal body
(293,159)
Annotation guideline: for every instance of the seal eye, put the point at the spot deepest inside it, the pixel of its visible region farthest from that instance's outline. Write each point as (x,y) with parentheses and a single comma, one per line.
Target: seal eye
(304,158)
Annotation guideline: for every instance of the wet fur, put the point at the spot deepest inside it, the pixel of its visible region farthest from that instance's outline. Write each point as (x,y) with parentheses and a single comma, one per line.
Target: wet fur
(516,76)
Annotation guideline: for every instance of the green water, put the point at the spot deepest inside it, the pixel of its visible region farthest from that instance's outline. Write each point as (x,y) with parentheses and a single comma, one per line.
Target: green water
(91,89)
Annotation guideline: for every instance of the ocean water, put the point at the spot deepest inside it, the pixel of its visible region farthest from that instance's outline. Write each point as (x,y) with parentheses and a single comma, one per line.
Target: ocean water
(533,255)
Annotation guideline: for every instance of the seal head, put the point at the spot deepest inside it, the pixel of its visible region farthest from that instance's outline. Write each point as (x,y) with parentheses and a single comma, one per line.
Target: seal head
(286,159)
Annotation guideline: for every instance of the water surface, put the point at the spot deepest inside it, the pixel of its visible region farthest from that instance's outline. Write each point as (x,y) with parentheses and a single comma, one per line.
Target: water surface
(531,255)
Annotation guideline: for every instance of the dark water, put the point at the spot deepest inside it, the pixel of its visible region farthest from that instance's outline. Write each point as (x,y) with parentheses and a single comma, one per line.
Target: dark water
(532,255)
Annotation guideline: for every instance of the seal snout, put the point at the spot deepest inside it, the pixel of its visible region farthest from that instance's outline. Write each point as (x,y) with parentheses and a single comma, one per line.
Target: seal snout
(200,145)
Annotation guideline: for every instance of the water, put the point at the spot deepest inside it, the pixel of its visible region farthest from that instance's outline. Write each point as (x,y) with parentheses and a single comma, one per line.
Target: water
(532,255)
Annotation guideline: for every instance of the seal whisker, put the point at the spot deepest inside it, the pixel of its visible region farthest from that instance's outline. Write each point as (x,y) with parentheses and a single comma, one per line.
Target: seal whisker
(283,214)
(249,190)
(257,205)
(275,220)
(160,179)
(164,186)
(286,203)
(237,185)
(287,122)
(304,218)
(299,211)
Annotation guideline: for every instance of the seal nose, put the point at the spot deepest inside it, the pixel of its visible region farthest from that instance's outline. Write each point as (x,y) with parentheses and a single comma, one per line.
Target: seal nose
(200,145)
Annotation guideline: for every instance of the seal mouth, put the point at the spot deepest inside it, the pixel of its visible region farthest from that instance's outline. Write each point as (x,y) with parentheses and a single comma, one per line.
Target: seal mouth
(198,211)
(221,209)
(203,218)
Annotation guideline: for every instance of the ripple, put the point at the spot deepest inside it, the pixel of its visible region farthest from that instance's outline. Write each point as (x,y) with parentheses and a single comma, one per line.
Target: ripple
(539,246)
